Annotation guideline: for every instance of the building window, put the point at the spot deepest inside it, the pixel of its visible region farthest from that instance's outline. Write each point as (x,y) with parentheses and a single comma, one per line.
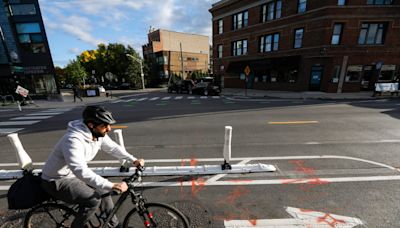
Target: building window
(271,11)
(336,74)
(220,49)
(372,33)
(341,2)
(220,26)
(239,47)
(240,20)
(337,33)
(298,38)
(301,6)
(269,43)
(387,73)
(353,73)
(22,9)
(30,37)
(379,2)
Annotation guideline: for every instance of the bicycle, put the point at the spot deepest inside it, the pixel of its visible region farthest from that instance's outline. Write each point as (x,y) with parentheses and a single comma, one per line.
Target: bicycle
(53,214)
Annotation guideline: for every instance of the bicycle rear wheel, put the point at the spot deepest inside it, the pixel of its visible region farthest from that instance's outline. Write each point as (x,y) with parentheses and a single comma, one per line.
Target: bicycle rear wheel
(49,215)
(160,215)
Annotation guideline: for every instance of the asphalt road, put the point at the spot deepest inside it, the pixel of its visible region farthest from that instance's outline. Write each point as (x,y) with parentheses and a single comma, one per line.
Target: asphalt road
(333,159)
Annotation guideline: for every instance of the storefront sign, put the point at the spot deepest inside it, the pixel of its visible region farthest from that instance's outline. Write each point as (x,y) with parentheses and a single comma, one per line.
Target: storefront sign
(22,91)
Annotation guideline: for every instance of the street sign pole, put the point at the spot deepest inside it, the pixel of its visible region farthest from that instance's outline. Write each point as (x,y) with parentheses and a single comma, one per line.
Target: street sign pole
(246,80)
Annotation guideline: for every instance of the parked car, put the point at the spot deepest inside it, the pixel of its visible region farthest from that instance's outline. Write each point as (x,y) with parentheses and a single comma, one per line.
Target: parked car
(125,85)
(206,88)
(181,86)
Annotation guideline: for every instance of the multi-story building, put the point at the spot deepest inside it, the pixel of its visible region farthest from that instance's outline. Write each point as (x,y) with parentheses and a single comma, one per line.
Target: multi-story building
(301,45)
(25,57)
(177,53)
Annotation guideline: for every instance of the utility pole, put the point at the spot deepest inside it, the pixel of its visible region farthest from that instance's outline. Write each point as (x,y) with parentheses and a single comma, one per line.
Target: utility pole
(180,44)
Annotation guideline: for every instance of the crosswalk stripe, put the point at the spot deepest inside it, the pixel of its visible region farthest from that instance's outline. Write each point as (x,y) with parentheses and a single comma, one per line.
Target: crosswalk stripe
(191,98)
(203,97)
(31,118)
(44,114)
(9,130)
(133,99)
(154,98)
(178,98)
(117,101)
(142,99)
(166,98)
(17,123)
(216,97)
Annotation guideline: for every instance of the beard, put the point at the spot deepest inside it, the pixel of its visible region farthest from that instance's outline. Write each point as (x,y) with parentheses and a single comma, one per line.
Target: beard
(97,134)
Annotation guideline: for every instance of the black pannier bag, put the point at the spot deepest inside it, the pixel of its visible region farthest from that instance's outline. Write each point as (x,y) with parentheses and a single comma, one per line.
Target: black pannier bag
(26,192)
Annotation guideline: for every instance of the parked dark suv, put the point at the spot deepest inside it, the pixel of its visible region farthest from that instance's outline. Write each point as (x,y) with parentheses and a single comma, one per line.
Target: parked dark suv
(181,86)
(206,86)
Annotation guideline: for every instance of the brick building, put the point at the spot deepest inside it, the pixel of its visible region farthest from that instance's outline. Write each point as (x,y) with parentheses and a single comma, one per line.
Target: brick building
(25,57)
(168,46)
(301,45)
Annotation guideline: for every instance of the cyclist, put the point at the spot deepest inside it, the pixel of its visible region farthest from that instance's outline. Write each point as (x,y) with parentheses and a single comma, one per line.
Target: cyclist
(66,175)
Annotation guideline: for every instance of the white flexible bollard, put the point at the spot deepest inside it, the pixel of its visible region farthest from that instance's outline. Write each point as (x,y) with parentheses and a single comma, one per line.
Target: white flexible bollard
(22,157)
(227,148)
(120,140)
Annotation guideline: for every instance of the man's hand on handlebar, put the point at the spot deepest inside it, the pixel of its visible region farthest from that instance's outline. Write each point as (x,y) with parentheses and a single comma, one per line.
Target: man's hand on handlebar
(139,162)
(120,187)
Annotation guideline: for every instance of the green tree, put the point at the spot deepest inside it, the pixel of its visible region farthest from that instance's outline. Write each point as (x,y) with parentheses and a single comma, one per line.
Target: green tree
(75,72)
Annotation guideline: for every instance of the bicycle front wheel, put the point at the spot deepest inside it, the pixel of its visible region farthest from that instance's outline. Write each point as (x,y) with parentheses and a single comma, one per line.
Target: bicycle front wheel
(157,215)
(49,215)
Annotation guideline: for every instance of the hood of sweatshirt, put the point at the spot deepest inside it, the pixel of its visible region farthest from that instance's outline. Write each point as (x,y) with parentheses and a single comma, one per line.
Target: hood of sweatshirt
(79,127)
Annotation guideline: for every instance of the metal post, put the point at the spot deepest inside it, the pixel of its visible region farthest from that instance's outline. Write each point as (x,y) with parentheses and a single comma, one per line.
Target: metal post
(141,67)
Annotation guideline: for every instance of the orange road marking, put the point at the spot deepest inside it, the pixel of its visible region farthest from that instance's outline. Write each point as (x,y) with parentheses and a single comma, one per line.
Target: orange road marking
(118,127)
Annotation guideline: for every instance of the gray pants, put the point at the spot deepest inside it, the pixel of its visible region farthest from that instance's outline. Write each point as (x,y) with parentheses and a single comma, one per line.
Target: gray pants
(75,191)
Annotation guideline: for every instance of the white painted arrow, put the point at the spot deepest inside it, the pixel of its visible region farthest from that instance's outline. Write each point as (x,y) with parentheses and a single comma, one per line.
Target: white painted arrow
(301,218)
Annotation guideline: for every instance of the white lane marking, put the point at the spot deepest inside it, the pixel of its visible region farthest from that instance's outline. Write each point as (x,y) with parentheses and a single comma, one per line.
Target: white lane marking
(44,114)
(31,118)
(301,218)
(311,181)
(9,131)
(134,95)
(191,98)
(312,143)
(166,98)
(17,123)
(219,176)
(178,98)
(276,181)
(142,99)
(154,98)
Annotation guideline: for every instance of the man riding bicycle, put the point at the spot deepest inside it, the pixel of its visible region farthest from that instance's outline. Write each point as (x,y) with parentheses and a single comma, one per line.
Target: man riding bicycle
(66,175)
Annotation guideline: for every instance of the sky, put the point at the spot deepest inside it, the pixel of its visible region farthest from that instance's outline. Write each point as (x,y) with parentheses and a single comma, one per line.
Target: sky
(73,26)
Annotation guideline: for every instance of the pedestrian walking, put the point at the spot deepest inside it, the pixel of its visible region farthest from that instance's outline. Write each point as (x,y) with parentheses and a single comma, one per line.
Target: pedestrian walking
(75,89)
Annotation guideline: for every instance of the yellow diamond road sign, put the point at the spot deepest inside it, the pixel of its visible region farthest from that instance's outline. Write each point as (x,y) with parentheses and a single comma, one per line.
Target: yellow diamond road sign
(247,70)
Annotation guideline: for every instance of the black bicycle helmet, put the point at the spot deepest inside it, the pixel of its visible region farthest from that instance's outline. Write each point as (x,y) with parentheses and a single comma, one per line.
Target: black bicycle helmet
(97,115)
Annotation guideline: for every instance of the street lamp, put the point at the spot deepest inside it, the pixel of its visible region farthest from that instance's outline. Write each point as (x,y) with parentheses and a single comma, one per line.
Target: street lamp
(141,67)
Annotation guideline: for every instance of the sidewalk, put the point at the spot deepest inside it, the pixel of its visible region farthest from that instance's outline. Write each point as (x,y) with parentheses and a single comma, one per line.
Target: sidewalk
(252,93)
(68,99)
(67,96)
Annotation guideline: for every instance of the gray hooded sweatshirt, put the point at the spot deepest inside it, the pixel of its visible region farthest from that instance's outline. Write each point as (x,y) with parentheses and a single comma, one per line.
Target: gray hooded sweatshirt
(71,154)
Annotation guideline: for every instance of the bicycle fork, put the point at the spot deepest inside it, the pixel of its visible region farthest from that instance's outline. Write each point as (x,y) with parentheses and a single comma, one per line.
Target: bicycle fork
(147,217)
